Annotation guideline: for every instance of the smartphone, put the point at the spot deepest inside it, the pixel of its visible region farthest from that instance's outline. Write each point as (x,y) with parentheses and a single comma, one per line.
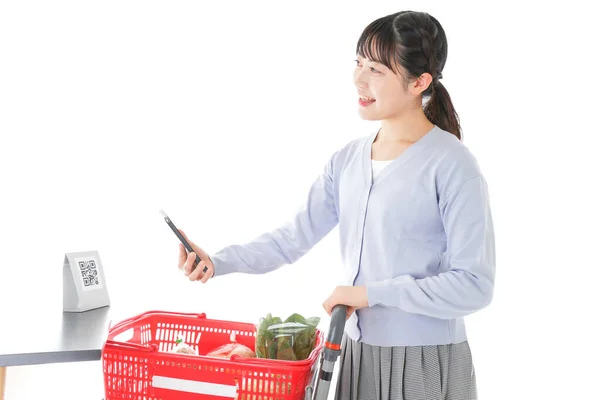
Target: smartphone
(182,239)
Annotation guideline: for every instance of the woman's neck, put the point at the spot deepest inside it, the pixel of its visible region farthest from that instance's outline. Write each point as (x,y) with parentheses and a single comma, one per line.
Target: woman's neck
(408,127)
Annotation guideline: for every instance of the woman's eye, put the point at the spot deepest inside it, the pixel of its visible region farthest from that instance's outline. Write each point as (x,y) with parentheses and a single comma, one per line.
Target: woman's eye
(373,70)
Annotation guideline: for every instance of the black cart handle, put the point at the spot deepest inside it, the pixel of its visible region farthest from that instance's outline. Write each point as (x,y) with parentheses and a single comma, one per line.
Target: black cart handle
(321,379)
(336,327)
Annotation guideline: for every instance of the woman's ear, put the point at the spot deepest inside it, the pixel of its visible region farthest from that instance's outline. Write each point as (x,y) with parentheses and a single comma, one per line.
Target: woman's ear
(420,84)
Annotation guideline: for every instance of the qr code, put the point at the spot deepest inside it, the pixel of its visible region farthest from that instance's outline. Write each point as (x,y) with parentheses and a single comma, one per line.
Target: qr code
(89,273)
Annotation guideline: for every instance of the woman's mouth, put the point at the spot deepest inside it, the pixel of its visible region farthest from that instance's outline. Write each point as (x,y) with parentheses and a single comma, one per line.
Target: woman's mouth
(365,101)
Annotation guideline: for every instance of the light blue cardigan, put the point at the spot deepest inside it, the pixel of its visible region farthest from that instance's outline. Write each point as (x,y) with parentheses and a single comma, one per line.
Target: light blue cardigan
(420,238)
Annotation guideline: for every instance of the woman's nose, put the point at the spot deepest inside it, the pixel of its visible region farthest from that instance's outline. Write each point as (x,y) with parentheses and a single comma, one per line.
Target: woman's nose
(359,80)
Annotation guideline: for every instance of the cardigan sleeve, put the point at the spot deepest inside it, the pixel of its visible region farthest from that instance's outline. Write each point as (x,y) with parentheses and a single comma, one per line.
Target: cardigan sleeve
(467,285)
(286,244)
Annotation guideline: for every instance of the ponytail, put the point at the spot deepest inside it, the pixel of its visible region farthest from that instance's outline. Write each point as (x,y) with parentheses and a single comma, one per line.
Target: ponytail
(440,111)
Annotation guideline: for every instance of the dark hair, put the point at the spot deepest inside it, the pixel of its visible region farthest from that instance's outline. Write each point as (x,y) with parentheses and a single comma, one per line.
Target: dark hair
(416,42)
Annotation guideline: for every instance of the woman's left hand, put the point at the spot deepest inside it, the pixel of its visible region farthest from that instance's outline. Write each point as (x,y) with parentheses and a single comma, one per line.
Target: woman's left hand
(354,297)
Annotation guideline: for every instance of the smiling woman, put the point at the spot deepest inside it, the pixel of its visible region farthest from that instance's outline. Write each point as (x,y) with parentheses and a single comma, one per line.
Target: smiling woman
(416,236)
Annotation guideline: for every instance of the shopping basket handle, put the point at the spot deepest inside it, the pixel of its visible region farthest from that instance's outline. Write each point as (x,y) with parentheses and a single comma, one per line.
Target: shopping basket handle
(125,324)
(130,346)
(336,327)
(321,380)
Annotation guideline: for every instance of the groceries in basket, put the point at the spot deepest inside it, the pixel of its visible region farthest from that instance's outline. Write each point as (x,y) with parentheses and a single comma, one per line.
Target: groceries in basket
(292,340)
(183,348)
(233,348)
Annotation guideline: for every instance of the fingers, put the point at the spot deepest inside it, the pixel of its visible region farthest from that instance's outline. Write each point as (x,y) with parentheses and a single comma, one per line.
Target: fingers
(328,306)
(199,275)
(333,300)
(349,312)
(189,263)
(208,274)
(182,256)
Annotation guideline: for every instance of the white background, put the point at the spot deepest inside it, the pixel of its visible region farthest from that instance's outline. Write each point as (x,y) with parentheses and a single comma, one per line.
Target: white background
(223,113)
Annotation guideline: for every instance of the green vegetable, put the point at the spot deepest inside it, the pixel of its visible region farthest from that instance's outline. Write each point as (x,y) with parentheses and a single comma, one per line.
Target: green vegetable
(264,337)
(285,351)
(293,339)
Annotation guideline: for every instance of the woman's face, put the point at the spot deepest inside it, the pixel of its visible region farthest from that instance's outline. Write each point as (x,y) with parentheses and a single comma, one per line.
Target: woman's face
(382,93)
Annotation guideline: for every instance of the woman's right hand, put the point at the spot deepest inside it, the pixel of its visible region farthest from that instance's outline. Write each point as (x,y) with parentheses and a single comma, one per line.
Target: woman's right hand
(186,261)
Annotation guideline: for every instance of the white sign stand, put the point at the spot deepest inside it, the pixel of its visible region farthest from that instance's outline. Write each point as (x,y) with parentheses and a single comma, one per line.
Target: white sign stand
(84,286)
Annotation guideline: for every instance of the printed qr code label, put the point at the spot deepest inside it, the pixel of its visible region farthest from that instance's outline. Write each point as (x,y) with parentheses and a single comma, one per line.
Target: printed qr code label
(89,273)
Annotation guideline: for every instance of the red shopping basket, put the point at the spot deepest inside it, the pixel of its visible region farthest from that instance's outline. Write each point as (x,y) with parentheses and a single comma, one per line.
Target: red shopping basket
(143,368)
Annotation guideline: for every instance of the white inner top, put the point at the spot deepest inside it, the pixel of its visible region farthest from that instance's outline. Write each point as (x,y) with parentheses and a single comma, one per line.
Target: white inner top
(377,166)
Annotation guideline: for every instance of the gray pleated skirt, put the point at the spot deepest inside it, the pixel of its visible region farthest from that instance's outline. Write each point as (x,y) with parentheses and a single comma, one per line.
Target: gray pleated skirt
(437,372)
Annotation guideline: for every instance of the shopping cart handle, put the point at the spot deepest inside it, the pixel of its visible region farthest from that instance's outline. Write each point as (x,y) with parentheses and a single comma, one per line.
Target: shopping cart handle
(336,327)
(321,379)
(125,324)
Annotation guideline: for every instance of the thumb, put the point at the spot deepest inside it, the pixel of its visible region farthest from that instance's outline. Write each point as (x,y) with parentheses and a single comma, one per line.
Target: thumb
(201,253)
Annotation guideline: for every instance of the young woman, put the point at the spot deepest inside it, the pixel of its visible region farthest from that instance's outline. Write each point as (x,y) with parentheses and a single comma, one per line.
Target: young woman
(415,226)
